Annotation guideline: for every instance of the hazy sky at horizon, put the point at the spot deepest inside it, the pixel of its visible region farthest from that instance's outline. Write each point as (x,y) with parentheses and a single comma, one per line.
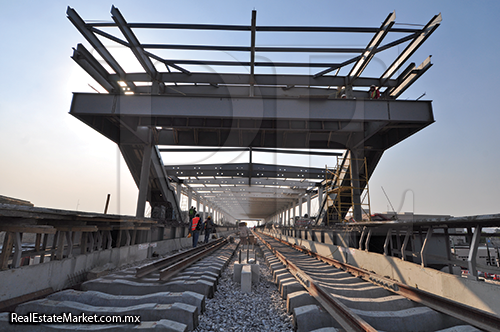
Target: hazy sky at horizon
(53,160)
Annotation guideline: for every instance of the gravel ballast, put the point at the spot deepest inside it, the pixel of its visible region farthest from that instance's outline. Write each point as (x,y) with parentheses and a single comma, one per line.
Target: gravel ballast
(233,310)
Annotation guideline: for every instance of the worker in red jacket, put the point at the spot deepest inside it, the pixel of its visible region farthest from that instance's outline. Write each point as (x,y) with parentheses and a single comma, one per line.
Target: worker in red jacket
(374,93)
(194,229)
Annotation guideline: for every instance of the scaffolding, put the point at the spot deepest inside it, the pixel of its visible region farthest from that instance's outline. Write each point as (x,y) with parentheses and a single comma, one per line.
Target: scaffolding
(340,187)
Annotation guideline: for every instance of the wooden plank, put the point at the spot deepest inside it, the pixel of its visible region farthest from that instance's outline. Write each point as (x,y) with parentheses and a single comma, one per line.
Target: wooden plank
(60,246)
(119,238)
(69,240)
(79,228)
(142,228)
(134,236)
(8,305)
(44,246)
(6,250)
(14,201)
(16,259)
(91,242)
(83,243)
(38,229)
(38,239)
(54,245)
(127,233)
(109,239)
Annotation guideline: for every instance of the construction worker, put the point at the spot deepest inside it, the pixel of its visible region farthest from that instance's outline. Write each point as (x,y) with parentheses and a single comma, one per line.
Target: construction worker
(194,229)
(208,226)
(374,93)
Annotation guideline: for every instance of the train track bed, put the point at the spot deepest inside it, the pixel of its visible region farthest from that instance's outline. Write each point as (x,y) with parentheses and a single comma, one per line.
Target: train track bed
(233,310)
(174,304)
(357,305)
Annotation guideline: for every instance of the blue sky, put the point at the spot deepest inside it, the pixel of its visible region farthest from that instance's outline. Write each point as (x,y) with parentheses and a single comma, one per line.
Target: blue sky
(52,159)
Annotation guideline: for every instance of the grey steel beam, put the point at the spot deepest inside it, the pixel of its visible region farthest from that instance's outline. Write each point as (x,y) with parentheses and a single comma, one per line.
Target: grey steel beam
(379,49)
(275,151)
(82,27)
(473,249)
(288,110)
(90,64)
(243,170)
(126,44)
(252,52)
(144,181)
(248,190)
(255,182)
(263,79)
(369,52)
(408,79)
(412,47)
(248,28)
(260,49)
(135,45)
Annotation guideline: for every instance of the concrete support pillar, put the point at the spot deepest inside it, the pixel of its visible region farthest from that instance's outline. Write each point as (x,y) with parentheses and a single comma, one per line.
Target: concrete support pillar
(356,163)
(309,204)
(471,261)
(204,210)
(179,192)
(198,205)
(190,198)
(300,206)
(320,197)
(144,181)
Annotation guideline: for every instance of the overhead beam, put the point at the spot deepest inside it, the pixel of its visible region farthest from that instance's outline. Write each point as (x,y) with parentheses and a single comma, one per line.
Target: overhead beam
(248,27)
(135,45)
(90,64)
(370,50)
(274,151)
(81,26)
(243,170)
(255,182)
(252,52)
(412,47)
(151,55)
(407,78)
(262,79)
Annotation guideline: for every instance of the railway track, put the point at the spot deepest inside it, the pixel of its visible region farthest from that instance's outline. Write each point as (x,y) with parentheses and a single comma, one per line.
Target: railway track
(341,299)
(166,295)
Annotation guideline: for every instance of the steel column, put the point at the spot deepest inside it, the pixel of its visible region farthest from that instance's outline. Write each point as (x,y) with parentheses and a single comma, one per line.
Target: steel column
(144,182)
(471,260)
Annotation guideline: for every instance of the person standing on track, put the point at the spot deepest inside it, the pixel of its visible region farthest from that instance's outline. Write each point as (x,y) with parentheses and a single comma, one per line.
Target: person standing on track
(208,226)
(194,229)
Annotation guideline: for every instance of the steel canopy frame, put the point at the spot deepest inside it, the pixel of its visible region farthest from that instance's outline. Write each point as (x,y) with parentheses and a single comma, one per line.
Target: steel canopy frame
(245,110)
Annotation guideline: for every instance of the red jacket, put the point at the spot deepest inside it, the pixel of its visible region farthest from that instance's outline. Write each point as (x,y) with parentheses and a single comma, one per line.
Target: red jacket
(194,223)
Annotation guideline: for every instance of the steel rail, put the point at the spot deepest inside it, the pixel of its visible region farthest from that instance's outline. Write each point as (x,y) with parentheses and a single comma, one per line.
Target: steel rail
(341,313)
(172,270)
(162,263)
(473,316)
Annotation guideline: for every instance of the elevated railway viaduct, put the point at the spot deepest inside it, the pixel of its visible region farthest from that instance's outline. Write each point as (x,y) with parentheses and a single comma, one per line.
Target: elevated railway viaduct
(176,106)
